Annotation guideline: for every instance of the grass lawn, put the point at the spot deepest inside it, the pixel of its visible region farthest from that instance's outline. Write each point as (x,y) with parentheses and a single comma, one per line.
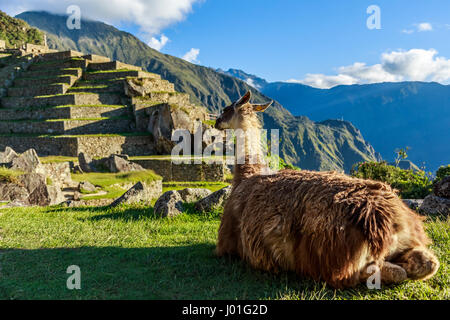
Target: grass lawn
(128,253)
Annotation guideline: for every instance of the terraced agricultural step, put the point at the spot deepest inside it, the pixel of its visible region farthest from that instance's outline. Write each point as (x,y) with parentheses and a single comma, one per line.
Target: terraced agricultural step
(61,55)
(24,82)
(130,143)
(65,112)
(178,98)
(105,75)
(65,99)
(77,72)
(99,88)
(59,64)
(112,65)
(68,126)
(32,91)
(96,58)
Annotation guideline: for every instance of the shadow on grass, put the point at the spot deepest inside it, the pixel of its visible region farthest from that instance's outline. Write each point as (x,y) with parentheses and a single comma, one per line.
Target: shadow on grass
(182,272)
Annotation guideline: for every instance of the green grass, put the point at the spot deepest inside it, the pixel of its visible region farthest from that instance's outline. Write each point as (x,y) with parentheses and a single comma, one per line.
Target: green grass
(110,182)
(8,175)
(129,253)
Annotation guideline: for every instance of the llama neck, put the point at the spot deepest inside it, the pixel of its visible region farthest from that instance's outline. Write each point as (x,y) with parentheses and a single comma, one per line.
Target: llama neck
(250,161)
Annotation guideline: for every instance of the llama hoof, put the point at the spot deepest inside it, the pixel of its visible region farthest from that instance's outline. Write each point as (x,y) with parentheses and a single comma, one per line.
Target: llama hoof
(420,264)
(392,273)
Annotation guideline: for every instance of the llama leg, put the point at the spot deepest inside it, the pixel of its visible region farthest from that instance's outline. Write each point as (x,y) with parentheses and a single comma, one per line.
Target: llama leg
(419,263)
(389,273)
(228,237)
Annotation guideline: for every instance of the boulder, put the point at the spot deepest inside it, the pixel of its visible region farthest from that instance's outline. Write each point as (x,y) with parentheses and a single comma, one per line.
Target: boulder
(170,204)
(86,187)
(36,186)
(27,162)
(116,163)
(56,195)
(214,200)
(84,162)
(8,155)
(13,192)
(442,188)
(413,203)
(193,194)
(435,205)
(140,192)
(165,118)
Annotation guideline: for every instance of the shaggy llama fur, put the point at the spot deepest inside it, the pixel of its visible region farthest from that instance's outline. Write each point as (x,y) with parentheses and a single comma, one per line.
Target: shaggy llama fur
(325,225)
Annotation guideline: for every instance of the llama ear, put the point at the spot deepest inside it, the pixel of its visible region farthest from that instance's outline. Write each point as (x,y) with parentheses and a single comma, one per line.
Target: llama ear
(261,107)
(245,99)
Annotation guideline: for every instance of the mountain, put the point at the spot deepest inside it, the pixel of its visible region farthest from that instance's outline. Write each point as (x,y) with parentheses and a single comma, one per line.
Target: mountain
(391,115)
(250,79)
(324,145)
(16,32)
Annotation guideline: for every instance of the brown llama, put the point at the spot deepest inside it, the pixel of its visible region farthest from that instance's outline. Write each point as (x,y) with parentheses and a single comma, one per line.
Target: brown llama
(324,225)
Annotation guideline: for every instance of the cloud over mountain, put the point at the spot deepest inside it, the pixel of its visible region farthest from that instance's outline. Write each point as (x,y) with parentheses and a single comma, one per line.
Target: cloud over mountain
(151,16)
(395,66)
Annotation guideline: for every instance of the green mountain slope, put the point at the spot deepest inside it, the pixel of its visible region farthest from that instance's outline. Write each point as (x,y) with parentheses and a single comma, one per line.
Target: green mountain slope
(304,143)
(16,32)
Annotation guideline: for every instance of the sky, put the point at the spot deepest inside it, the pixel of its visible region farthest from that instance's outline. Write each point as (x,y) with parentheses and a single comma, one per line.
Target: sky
(319,43)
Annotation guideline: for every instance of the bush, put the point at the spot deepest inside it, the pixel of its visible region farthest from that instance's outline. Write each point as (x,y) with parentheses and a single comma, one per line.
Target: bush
(442,172)
(411,184)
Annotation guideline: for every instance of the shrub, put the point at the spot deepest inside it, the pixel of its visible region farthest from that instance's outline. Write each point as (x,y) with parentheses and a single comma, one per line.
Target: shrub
(442,172)
(411,184)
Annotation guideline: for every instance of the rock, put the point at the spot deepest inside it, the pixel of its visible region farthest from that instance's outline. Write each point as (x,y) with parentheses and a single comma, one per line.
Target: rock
(84,162)
(27,162)
(35,184)
(214,200)
(86,187)
(8,155)
(193,194)
(76,196)
(140,192)
(58,173)
(13,192)
(435,205)
(119,164)
(442,188)
(56,195)
(170,204)
(165,118)
(413,203)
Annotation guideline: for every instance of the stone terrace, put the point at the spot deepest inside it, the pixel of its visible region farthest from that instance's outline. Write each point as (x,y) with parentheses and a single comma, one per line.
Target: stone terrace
(66,103)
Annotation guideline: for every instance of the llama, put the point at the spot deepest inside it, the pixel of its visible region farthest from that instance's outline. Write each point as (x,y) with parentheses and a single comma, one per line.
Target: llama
(323,225)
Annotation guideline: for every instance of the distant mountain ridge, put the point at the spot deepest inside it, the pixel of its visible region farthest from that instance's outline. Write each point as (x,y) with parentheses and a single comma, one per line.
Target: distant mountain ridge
(390,115)
(304,143)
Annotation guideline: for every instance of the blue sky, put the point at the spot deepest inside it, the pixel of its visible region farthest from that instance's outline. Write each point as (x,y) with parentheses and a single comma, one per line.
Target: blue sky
(295,40)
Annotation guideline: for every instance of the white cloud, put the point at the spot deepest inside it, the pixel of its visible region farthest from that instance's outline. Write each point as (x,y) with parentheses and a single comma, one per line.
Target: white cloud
(252,83)
(158,44)
(424,26)
(395,66)
(191,55)
(419,27)
(151,16)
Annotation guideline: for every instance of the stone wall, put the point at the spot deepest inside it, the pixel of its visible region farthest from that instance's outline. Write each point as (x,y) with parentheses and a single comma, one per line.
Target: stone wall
(95,146)
(105,146)
(2,45)
(184,172)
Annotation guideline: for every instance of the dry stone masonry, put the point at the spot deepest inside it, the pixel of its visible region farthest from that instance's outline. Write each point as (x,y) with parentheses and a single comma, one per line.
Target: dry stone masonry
(67,103)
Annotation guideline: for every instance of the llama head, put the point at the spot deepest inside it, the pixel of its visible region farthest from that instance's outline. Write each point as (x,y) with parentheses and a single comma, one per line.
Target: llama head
(241,114)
